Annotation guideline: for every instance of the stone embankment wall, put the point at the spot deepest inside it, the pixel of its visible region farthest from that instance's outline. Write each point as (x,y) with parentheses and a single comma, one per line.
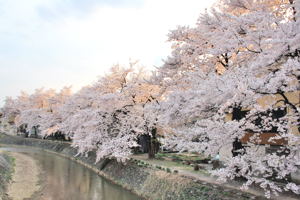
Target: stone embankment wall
(146,181)
(6,169)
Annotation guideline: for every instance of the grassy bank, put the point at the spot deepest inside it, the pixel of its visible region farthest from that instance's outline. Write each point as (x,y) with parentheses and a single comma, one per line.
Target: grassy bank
(6,171)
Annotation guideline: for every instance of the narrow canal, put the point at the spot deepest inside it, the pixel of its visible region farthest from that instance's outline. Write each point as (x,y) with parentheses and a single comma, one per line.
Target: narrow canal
(63,179)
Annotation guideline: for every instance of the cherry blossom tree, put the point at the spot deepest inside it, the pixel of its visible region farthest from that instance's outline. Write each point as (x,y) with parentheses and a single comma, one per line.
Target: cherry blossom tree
(232,60)
(238,54)
(38,111)
(110,115)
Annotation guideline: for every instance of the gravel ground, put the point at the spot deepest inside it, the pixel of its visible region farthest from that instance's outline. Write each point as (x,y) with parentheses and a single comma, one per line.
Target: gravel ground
(25,177)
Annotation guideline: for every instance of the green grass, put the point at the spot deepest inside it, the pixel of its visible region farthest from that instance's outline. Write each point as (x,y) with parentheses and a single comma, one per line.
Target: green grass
(162,164)
(179,157)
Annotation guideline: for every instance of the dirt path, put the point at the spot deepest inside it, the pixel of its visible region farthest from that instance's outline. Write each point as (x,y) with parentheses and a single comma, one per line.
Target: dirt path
(25,178)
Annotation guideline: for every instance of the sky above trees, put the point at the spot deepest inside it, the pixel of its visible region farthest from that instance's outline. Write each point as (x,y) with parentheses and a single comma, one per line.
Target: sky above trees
(53,43)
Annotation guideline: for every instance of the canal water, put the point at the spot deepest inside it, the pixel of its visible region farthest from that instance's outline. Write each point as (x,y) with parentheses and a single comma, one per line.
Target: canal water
(64,179)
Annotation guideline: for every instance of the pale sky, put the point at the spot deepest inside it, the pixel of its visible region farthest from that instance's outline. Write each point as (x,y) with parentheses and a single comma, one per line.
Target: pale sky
(56,43)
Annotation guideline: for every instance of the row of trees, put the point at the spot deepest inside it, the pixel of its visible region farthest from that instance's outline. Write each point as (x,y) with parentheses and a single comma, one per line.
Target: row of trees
(107,116)
(238,53)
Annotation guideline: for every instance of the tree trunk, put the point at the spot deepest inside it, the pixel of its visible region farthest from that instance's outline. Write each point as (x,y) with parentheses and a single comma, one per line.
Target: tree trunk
(153,144)
(151,152)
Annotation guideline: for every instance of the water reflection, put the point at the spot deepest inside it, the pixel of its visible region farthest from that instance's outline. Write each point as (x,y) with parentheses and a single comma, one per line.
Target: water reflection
(67,180)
